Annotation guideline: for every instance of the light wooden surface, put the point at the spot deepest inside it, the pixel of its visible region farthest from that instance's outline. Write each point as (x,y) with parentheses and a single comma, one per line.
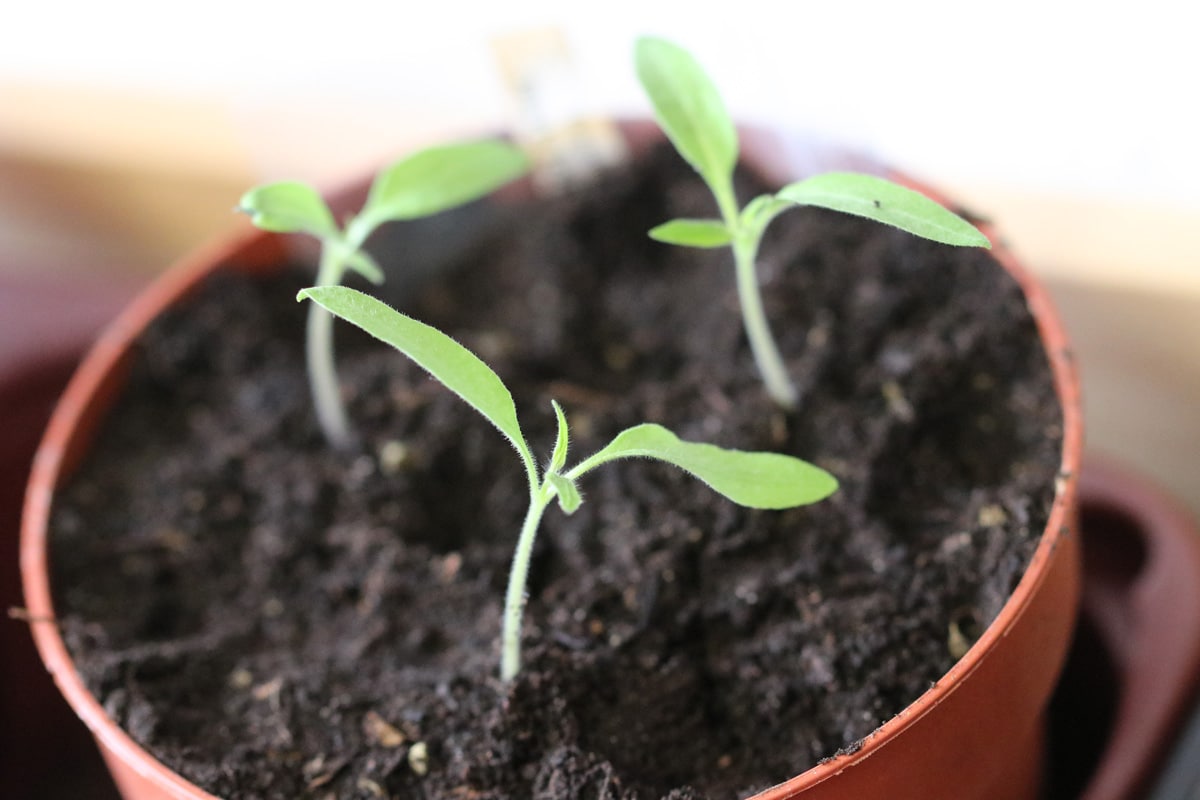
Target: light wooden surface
(1139,357)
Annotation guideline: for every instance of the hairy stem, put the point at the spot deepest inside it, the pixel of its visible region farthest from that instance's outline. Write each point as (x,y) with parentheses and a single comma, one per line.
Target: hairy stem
(514,601)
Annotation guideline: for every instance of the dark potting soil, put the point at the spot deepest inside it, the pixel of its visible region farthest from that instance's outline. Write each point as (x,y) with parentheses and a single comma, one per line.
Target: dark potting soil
(276,620)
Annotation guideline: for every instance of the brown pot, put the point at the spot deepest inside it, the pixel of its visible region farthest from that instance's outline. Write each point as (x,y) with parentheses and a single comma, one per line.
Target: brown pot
(980,729)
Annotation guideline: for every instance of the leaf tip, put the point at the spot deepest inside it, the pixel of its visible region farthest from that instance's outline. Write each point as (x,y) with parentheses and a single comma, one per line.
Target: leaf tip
(828,485)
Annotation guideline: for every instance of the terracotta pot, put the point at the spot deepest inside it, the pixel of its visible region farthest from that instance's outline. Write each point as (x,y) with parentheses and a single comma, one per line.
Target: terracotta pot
(980,729)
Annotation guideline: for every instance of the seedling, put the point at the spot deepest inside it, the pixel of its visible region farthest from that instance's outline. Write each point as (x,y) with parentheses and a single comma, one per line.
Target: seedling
(691,113)
(755,480)
(425,183)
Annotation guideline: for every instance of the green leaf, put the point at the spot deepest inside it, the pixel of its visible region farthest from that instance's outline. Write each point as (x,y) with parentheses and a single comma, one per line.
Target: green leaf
(445,359)
(559,457)
(361,262)
(688,107)
(439,178)
(693,233)
(886,202)
(756,480)
(289,207)
(569,498)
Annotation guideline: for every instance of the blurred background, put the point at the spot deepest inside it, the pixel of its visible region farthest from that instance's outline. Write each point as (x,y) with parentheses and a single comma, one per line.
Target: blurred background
(129,129)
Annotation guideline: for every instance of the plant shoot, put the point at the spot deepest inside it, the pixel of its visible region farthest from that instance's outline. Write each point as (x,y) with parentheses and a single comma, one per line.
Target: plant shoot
(691,113)
(755,480)
(420,185)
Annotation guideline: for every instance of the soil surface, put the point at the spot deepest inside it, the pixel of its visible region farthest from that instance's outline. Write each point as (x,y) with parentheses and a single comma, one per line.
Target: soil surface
(276,620)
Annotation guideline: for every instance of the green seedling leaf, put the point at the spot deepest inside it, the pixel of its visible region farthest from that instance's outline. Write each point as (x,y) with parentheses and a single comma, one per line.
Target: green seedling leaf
(362,263)
(688,107)
(566,490)
(559,458)
(883,201)
(289,207)
(755,480)
(442,177)
(445,359)
(706,233)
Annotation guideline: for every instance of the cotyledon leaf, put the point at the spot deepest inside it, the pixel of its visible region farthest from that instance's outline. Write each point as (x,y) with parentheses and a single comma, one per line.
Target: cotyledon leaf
(752,479)
(288,207)
(688,107)
(706,233)
(445,359)
(442,177)
(883,201)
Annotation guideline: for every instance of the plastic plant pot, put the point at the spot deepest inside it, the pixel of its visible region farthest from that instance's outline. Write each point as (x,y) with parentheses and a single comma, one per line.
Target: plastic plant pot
(980,729)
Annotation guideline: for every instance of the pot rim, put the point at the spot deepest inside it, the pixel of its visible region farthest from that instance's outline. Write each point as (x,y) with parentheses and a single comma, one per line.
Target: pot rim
(104,367)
